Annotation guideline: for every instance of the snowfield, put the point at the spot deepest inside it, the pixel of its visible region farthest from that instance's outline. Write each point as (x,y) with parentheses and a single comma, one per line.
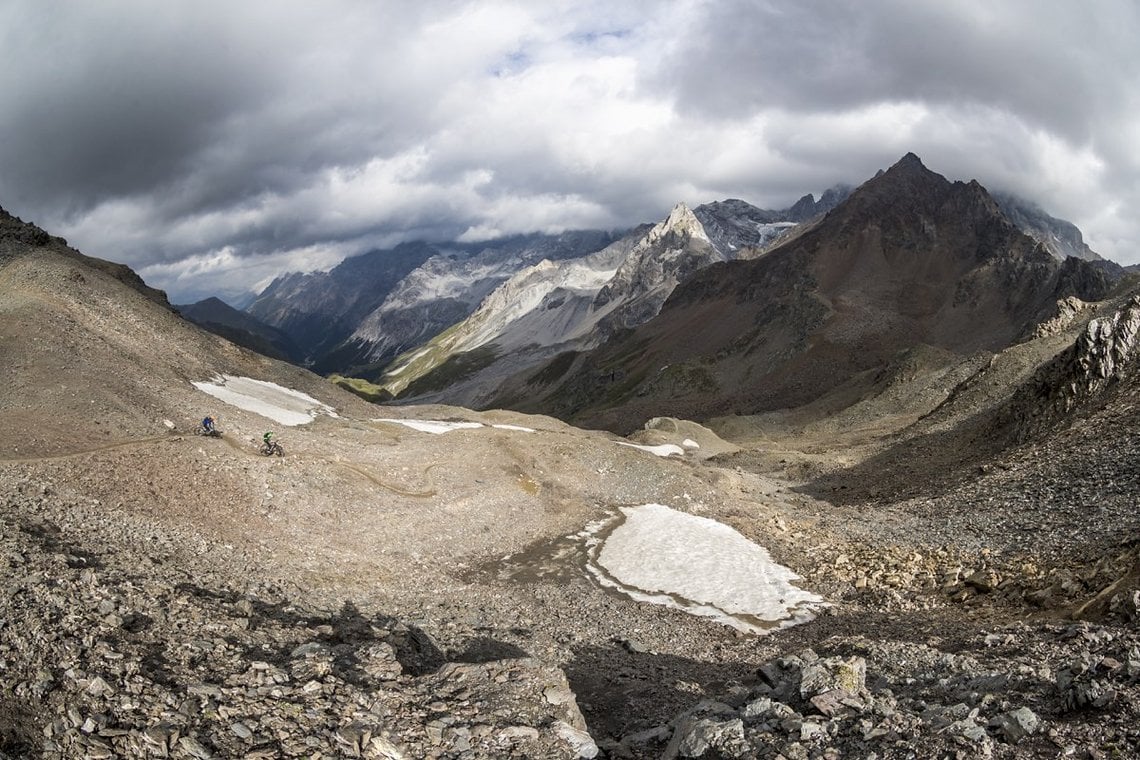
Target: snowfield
(439,427)
(704,567)
(435,427)
(661,450)
(284,406)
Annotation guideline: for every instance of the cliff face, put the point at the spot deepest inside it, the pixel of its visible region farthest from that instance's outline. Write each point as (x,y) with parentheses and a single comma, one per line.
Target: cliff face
(1104,355)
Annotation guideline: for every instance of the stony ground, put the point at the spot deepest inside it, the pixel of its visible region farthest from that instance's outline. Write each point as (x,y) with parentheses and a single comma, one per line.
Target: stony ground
(139,619)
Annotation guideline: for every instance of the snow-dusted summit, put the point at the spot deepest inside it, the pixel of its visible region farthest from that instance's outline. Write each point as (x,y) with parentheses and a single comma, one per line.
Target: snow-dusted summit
(575,304)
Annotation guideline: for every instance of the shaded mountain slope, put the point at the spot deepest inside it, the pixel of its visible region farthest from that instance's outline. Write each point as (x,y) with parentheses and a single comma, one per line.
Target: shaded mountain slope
(238,327)
(908,259)
(318,310)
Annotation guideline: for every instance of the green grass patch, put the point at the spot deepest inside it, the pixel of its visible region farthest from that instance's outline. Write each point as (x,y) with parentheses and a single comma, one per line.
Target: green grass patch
(366,390)
(456,368)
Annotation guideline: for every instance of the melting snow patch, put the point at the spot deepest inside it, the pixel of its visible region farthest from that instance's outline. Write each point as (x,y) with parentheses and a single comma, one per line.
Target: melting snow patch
(437,427)
(704,567)
(282,405)
(689,443)
(662,450)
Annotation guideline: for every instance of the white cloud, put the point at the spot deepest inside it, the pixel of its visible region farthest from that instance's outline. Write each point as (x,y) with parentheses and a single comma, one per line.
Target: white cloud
(268,133)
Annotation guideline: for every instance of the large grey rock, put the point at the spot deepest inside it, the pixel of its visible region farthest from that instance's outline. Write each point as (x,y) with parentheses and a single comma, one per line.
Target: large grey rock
(693,737)
(1017,724)
(847,676)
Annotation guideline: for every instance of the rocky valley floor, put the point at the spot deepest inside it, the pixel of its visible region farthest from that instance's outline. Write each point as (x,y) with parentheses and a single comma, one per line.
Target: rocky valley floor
(381,592)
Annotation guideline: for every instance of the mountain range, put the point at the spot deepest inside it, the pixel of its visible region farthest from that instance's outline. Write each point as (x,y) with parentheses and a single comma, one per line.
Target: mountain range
(908,260)
(471,324)
(357,317)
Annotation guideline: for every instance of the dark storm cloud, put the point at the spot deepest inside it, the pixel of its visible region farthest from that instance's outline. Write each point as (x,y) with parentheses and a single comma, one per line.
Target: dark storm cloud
(212,144)
(108,104)
(201,102)
(1058,63)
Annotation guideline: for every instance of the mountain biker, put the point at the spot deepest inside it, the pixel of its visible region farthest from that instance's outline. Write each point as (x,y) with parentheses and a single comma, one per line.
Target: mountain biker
(265,438)
(208,424)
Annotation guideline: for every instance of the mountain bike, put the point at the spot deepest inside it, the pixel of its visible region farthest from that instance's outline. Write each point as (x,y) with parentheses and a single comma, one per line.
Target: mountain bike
(271,448)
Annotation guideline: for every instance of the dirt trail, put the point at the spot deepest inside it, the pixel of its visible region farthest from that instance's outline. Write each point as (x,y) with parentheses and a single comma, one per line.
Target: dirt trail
(84,452)
(387,486)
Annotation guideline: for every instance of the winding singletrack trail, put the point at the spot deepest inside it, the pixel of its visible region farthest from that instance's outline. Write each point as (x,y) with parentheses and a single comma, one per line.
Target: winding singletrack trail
(85,452)
(388,486)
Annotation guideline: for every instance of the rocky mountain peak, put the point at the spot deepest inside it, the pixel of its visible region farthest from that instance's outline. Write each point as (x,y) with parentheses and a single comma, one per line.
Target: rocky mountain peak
(906,185)
(681,224)
(907,171)
(1061,238)
(910,161)
(14,228)
(804,205)
(912,204)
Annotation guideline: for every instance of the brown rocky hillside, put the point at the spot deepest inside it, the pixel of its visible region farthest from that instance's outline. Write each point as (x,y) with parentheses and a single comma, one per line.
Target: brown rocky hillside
(908,260)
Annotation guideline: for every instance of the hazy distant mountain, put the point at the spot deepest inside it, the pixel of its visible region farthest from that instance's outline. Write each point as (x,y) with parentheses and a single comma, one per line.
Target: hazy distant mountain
(1060,238)
(908,259)
(238,327)
(578,304)
(445,289)
(318,310)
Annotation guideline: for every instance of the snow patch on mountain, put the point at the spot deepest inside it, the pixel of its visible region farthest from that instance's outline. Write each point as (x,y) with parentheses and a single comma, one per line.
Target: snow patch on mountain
(284,406)
(658,555)
(439,427)
(660,450)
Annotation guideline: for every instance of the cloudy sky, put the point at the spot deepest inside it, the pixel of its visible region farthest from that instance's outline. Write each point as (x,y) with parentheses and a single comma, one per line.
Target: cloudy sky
(212,145)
